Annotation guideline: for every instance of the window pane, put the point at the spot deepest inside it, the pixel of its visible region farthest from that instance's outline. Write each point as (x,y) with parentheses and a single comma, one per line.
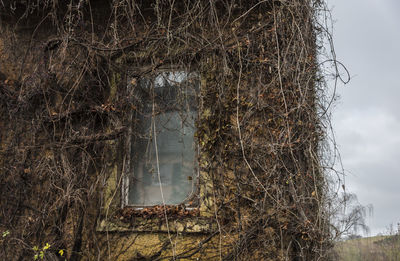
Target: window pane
(174,125)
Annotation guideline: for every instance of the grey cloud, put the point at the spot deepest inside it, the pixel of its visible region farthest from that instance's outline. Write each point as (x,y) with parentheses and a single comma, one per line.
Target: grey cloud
(367,120)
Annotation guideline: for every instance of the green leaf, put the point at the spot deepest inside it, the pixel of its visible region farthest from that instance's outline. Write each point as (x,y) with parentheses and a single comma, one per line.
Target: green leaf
(47,246)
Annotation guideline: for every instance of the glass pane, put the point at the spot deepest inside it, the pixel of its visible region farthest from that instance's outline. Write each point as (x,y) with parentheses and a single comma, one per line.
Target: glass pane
(174,132)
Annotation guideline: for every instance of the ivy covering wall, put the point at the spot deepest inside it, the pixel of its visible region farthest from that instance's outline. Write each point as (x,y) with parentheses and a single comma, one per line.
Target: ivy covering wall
(65,106)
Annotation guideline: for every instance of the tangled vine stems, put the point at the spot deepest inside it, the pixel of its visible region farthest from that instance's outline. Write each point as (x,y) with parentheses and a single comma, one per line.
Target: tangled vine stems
(261,123)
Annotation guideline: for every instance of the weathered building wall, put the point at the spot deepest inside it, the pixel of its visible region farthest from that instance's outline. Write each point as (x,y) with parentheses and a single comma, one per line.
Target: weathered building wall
(65,118)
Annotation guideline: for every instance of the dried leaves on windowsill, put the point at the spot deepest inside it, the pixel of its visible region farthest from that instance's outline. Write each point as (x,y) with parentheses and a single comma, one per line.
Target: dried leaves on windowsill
(172,211)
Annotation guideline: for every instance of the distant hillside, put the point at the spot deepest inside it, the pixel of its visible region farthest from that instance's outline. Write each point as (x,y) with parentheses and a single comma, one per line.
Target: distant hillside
(379,248)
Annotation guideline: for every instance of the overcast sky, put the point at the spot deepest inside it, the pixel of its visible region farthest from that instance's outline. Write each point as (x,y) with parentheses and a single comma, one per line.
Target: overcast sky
(367,117)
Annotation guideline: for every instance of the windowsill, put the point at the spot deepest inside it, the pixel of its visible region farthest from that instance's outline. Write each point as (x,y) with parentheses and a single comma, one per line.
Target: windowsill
(187,224)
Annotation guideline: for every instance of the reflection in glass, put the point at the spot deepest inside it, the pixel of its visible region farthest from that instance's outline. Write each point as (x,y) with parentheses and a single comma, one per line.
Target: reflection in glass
(173,116)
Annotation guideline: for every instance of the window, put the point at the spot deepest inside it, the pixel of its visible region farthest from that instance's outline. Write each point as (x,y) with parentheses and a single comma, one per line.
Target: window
(162,150)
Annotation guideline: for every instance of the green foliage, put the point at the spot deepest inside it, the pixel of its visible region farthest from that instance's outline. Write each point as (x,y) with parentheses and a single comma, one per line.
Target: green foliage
(5,233)
(40,252)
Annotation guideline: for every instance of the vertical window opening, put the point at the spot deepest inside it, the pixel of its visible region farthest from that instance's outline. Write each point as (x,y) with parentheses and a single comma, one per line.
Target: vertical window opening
(163,152)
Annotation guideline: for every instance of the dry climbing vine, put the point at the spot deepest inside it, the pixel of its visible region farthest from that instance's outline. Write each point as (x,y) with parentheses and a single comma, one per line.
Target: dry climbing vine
(261,125)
